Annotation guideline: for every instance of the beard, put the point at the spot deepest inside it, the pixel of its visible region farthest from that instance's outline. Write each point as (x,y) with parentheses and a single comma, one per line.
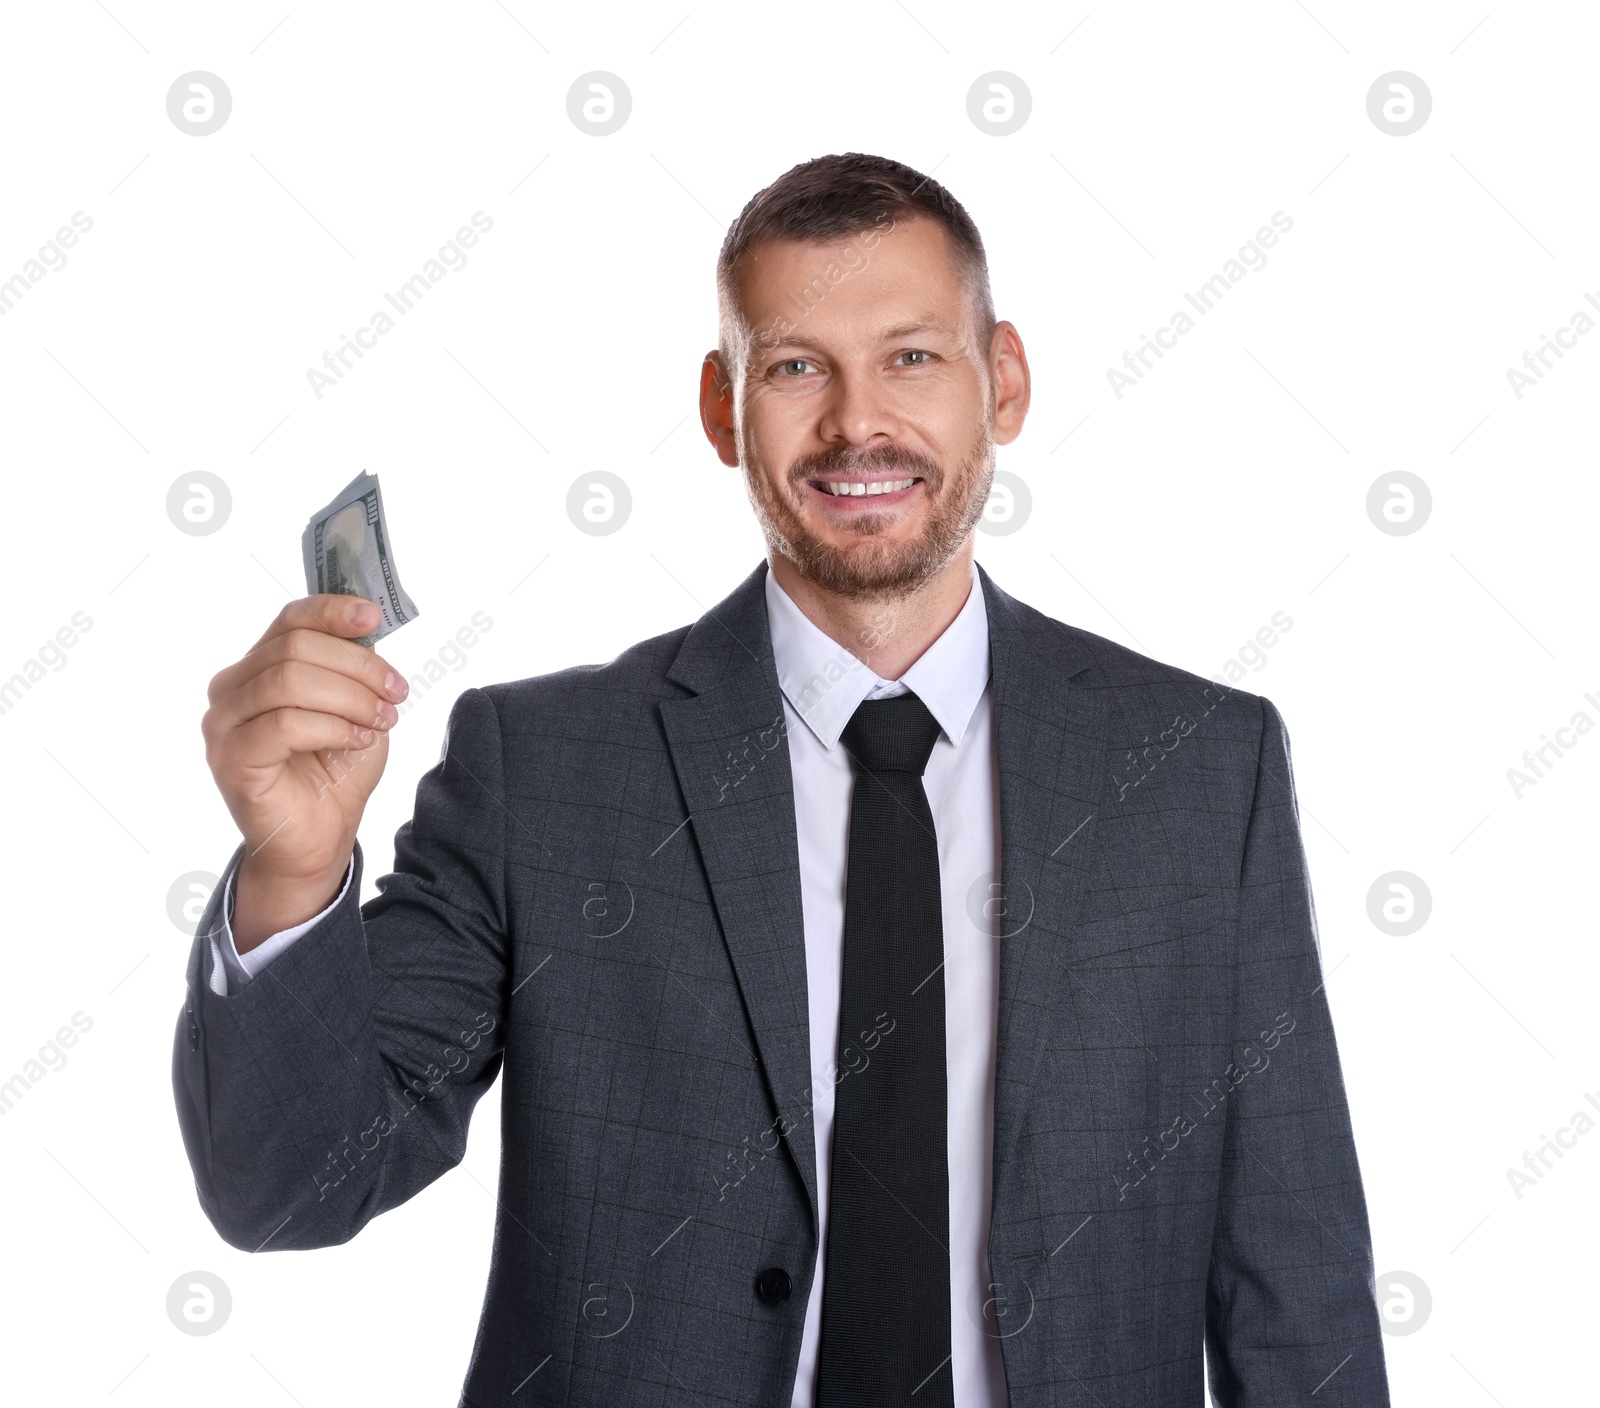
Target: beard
(870,568)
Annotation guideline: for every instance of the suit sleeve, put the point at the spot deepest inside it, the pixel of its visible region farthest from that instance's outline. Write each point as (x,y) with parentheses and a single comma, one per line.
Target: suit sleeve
(231,972)
(1290,1304)
(341,1080)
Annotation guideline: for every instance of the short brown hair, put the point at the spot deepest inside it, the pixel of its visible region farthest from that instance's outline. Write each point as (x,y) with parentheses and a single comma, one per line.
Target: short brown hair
(830,197)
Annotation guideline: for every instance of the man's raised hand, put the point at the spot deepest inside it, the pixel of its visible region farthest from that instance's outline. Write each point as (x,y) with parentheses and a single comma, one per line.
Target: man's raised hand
(296,739)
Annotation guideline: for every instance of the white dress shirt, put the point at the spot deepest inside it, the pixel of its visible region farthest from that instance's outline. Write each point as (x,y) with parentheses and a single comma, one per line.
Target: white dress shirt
(232,970)
(822,684)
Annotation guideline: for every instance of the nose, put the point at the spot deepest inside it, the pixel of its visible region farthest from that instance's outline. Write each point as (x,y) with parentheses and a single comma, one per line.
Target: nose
(860,410)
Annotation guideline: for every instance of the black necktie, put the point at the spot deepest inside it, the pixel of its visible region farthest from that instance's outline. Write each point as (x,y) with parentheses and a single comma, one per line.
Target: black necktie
(886,1286)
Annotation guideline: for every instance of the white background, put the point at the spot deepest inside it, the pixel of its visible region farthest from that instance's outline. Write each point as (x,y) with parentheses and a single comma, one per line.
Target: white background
(1228,485)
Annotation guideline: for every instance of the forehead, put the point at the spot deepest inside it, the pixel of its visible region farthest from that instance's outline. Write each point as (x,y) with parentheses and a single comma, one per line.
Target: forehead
(880,276)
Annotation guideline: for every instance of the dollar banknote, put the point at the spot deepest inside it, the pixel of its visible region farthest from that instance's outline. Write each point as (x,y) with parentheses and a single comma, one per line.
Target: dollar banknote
(346,550)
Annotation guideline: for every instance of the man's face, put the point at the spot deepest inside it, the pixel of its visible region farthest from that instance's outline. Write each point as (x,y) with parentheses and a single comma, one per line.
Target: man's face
(863,414)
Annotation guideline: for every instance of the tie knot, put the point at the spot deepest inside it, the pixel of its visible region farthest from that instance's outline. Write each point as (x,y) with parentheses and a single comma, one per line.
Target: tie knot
(891,735)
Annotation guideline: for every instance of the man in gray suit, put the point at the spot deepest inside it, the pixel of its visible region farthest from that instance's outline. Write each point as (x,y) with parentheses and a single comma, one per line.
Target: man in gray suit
(902,997)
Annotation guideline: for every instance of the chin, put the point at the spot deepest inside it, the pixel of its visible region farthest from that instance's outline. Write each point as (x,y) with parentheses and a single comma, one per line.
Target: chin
(858,570)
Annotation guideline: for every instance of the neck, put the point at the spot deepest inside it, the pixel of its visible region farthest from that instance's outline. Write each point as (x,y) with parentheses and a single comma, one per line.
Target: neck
(887,634)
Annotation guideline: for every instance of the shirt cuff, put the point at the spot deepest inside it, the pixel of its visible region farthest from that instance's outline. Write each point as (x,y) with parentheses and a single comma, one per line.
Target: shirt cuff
(231,971)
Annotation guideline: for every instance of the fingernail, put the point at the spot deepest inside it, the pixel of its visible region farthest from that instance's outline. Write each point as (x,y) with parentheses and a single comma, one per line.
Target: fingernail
(361,613)
(388,716)
(395,687)
(363,735)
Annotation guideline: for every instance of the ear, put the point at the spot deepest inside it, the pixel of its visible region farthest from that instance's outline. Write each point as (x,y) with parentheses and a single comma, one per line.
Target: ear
(716,408)
(1013,383)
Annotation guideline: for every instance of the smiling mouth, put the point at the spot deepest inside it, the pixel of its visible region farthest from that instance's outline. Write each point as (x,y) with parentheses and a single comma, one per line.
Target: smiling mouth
(862,488)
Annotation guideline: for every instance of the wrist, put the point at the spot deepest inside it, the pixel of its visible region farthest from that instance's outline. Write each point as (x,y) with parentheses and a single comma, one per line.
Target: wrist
(266,903)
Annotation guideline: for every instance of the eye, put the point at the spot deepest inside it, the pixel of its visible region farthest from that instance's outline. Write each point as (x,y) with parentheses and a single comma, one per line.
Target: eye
(792,367)
(922,357)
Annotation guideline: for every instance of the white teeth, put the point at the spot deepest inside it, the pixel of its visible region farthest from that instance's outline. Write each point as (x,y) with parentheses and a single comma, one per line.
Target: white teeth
(858,490)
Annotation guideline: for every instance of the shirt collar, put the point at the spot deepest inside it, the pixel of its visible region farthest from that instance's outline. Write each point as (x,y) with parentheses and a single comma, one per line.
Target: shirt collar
(824,682)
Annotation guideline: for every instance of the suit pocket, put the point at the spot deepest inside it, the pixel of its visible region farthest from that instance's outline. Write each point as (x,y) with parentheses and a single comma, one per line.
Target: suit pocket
(1099,934)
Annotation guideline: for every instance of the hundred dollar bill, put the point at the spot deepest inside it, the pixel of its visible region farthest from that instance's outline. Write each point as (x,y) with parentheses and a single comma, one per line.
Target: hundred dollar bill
(346,551)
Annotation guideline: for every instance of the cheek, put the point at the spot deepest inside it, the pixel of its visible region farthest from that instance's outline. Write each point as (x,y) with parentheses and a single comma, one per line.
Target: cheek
(775,432)
(946,407)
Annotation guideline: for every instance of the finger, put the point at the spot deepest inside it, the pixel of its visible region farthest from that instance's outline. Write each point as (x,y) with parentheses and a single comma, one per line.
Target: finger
(295,684)
(313,647)
(347,616)
(275,737)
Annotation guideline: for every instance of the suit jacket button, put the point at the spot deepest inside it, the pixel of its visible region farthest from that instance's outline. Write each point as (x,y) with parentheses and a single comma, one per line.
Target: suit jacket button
(773,1285)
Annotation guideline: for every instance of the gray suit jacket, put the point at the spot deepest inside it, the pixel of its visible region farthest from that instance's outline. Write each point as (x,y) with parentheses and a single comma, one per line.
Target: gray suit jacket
(599,893)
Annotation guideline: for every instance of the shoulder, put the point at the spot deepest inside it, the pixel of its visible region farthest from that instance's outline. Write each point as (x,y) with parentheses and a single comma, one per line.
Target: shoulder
(1175,743)
(586,701)
(1137,693)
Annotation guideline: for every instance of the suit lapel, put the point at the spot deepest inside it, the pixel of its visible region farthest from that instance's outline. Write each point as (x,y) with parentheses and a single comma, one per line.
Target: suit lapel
(730,751)
(1054,781)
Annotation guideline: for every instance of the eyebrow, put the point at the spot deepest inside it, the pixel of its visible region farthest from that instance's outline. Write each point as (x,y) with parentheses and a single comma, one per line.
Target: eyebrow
(915,326)
(890,334)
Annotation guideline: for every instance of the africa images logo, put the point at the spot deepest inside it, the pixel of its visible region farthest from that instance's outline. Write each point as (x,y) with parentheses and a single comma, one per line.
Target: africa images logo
(452,255)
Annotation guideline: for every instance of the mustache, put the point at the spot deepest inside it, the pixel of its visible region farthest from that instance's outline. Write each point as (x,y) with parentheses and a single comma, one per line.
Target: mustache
(845,459)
